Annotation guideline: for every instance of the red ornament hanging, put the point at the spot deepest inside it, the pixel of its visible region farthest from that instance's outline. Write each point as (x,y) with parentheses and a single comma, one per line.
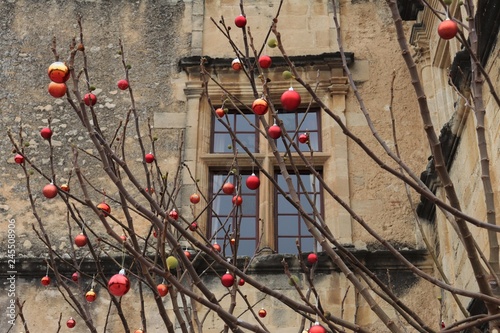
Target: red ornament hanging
(193,226)
(303,138)
(162,289)
(19,159)
(262,313)
(58,72)
(194,198)
(228,188)
(122,84)
(123,238)
(149,158)
(220,112)
(65,187)
(241,282)
(253,182)
(187,254)
(57,90)
(119,284)
(260,106)
(105,208)
(447,29)
(236,65)
(90,295)
(227,280)
(265,61)
(71,323)
(89,99)
(312,258)
(75,276)
(139,331)
(317,328)
(290,100)
(46,133)
(45,280)
(49,191)
(240,21)
(81,240)
(173,214)
(237,200)
(216,247)
(274,131)
(232,241)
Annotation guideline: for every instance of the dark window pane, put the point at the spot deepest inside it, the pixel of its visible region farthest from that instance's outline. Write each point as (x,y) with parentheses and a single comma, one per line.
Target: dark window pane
(284,206)
(313,139)
(287,245)
(288,225)
(309,121)
(243,130)
(222,143)
(299,122)
(247,140)
(246,247)
(247,227)
(307,244)
(249,205)
(222,205)
(243,124)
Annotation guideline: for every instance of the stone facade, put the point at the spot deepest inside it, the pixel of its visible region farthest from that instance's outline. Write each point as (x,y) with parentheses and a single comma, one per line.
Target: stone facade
(163,40)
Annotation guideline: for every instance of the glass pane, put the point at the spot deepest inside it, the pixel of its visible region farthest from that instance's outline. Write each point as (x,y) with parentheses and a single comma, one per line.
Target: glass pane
(307,244)
(249,205)
(313,139)
(218,126)
(284,206)
(246,247)
(223,205)
(248,141)
(288,121)
(288,225)
(308,122)
(247,227)
(243,125)
(221,143)
(287,245)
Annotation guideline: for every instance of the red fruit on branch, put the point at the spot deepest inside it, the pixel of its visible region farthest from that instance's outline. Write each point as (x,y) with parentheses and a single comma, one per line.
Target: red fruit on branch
(290,100)
(237,200)
(49,191)
(447,29)
(122,84)
(265,61)
(227,280)
(119,284)
(216,247)
(253,182)
(57,90)
(274,131)
(19,159)
(173,214)
(58,72)
(220,112)
(46,133)
(193,226)
(90,99)
(105,208)
(149,158)
(262,313)
(75,276)
(260,106)
(303,138)
(228,188)
(312,258)
(187,254)
(241,282)
(65,187)
(236,64)
(240,21)
(81,240)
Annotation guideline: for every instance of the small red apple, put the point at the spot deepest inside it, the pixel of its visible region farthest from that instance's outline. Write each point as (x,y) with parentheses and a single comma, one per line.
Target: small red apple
(193,226)
(58,72)
(173,214)
(46,133)
(290,100)
(220,112)
(253,182)
(303,138)
(71,323)
(81,240)
(149,158)
(162,289)
(240,21)
(45,280)
(274,131)
(237,200)
(105,208)
(90,99)
(19,159)
(262,313)
(122,84)
(260,106)
(312,258)
(241,282)
(57,90)
(228,188)
(194,198)
(265,61)
(447,29)
(49,191)
(236,65)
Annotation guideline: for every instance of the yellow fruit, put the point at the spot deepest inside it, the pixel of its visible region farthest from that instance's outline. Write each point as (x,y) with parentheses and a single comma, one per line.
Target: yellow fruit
(172,262)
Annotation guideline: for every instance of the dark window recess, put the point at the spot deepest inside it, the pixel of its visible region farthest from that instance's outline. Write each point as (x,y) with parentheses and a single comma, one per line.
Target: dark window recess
(300,122)
(226,219)
(408,9)
(221,139)
(289,224)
